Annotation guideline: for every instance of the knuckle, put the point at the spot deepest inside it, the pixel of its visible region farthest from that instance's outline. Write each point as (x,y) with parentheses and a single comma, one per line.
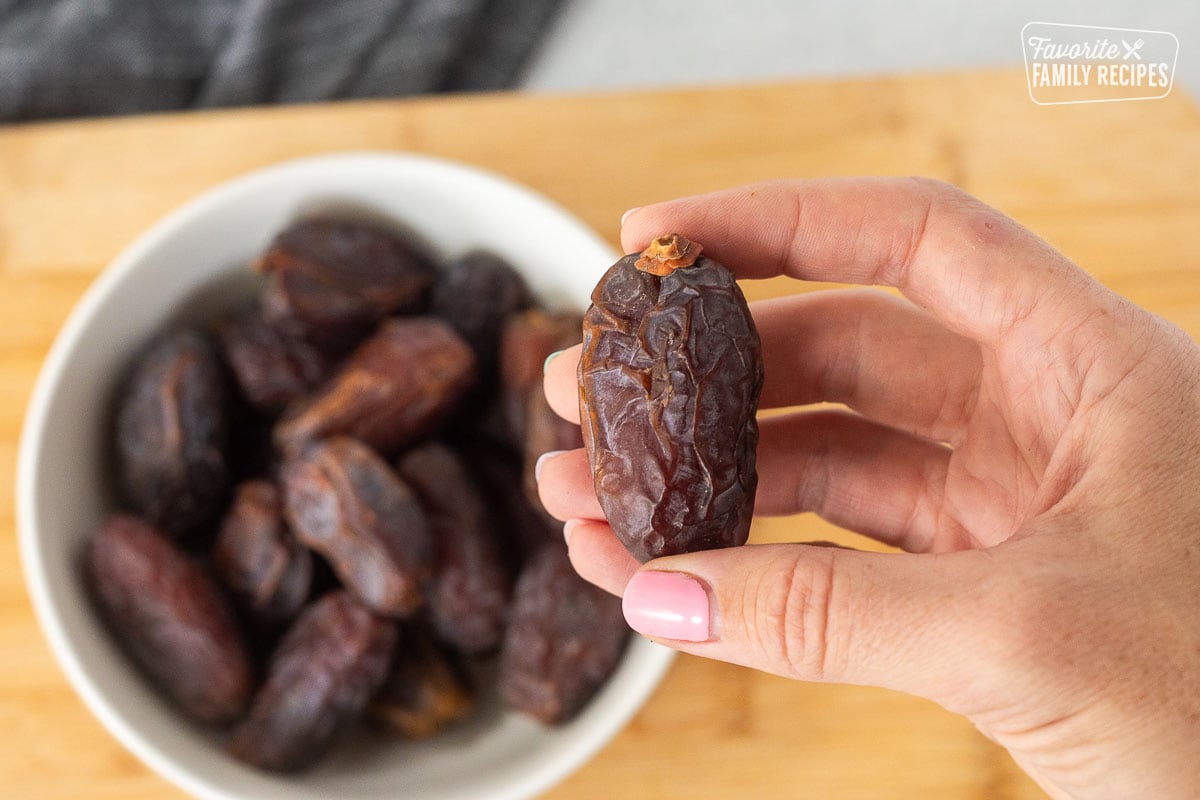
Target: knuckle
(793,610)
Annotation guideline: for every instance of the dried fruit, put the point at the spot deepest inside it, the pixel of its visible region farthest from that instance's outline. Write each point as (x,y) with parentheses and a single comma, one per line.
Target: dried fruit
(476,294)
(331,280)
(172,433)
(268,572)
(527,339)
(330,663)
(425,691)
(564,640)
(468,596)
(344,501)
(669,384)
(171,616)
(271,368)
(398,386)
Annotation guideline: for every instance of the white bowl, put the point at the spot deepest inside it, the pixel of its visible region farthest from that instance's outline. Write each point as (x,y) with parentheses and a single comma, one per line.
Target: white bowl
(190,265)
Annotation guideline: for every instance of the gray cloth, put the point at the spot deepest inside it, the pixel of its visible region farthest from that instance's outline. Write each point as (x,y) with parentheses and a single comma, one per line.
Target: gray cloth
(69,58)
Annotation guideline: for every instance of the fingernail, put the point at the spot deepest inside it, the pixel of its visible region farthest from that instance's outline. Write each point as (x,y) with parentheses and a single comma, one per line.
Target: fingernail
(537,465)
(569,527)
(625,216)
(668,605)
(549,358)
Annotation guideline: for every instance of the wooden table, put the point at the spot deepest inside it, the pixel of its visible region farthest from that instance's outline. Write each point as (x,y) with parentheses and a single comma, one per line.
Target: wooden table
(1116,186)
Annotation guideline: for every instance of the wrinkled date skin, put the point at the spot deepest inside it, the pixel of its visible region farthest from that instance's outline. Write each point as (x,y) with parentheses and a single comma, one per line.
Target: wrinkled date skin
(398,386)
(669,383)
(172,431)
(331,280)
(425,691)
(268,572)
(344,501)
(172,618)
(468,597)
(329,664)
(563,641)
(476,294)
(271,368)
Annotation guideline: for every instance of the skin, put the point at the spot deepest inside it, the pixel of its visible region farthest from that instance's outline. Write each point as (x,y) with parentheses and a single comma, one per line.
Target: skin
(1029,439)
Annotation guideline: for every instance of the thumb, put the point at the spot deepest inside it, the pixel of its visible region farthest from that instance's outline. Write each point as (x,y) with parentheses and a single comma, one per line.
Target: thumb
(900,621)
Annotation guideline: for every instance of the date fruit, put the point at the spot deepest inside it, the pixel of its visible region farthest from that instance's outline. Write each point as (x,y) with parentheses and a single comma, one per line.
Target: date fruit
(476,294)
(327,667)
(268,572)
(669,384)
(468,597)
(331,280)
(172,432)
(527,339)
(271,368)
(398,386)
(563,641)
(425,691)
(172,618)
(344,501)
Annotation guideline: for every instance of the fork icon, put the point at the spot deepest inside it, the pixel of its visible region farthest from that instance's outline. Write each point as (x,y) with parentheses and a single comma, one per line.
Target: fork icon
(1132,49)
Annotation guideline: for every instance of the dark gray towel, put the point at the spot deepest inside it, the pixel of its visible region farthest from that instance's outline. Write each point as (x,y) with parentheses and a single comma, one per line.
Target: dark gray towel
(68,58)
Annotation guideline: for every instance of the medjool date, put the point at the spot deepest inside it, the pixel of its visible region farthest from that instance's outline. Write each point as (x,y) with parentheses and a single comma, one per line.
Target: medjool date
(271,368)
(169,613)
(468,595)
(327,667)
(265,568)
(669,384)
(172,433)
(425,691)
(331,280)
(476,294)
(344,501)
(398,386)
(563,641)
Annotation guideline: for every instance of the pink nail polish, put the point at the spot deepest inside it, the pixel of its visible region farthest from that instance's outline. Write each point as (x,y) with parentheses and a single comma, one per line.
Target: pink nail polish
(668,605)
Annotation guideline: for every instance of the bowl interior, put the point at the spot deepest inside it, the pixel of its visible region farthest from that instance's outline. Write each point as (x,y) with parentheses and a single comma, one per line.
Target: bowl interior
(190,266)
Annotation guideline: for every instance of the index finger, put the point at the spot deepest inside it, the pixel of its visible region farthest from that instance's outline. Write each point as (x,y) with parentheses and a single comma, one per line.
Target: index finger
(978,271)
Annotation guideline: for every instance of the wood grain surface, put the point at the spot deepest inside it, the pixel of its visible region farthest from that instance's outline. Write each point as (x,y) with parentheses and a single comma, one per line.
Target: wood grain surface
(1116,186)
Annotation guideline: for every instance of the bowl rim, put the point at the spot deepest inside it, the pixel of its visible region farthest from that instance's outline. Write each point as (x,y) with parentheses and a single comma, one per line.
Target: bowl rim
(36,424)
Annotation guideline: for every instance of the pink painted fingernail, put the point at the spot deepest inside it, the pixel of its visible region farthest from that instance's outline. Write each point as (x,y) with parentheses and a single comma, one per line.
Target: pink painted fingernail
(537,465)
(625,216)
(668,605)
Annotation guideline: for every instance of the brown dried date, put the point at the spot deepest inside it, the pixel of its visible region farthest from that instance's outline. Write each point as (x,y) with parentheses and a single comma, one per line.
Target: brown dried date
(172,434)
(266,569)
(468,596)
(425,691)
(527,339)
(331,280)
(172,618)
(563,641)
(398,386)
(271,368)
(669,386)
(327,667)
(476,294)
(344,501)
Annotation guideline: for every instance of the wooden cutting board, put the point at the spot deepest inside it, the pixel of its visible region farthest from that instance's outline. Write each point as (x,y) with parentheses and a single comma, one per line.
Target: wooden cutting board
(1116,186)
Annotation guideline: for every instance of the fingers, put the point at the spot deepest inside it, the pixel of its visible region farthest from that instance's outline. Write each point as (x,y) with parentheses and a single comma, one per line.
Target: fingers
(878,354)
(863,476)
(815,613)
(598,556)
(976,270)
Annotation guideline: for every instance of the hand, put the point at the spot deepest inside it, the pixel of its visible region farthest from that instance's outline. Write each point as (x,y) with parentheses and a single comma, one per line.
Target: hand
(1031,439)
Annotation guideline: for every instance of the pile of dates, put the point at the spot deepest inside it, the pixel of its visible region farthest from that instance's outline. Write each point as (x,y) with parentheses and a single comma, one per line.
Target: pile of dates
(328,513)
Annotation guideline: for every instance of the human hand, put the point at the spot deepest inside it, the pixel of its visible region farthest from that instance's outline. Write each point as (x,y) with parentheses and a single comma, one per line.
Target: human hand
(1030,438)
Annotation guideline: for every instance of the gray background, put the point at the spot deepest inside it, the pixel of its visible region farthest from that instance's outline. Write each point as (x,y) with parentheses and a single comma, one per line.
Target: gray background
(614,44)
